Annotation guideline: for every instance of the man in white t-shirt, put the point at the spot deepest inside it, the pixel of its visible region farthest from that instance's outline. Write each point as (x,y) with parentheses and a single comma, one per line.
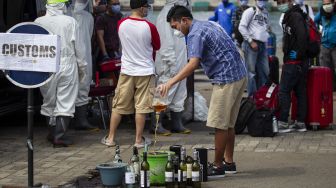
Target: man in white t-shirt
(134,93)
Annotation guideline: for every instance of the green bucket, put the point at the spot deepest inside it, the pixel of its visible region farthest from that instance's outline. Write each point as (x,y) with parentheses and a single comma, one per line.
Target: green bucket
(157,164)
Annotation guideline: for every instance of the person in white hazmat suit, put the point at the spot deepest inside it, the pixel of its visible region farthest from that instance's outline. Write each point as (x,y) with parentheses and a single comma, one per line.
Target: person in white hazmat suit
(170,59)
(59,95)
(85,25)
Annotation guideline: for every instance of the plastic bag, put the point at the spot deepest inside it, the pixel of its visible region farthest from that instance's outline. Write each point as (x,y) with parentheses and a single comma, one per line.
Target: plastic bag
(200,106)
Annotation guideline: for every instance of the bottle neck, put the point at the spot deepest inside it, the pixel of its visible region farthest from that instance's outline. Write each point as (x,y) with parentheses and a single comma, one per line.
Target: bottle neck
(145,156)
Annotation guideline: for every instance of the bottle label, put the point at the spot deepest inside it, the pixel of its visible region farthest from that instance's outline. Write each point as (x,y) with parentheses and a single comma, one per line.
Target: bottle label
(189,170)
(143,178)
(195,176)
(182,176)
(136,168)
(129,178)
(169,176)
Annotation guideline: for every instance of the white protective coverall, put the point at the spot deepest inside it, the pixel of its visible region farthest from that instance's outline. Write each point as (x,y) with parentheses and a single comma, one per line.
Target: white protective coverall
(85,25)
(59,95)
(171,57)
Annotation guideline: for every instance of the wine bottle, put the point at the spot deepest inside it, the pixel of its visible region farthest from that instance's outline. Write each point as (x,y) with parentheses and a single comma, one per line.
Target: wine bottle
(117,157)
(169,173)
(135,163)
(144,171)
(189,161)
(196,181)
(182,172)
(130,177)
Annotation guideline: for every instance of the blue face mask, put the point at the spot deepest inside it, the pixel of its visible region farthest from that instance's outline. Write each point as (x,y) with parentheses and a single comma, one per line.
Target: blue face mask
(261,4)
(299,2)
(243,2)
(115,8)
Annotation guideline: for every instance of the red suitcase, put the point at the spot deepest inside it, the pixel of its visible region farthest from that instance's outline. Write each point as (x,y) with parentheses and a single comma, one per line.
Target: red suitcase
(320,98)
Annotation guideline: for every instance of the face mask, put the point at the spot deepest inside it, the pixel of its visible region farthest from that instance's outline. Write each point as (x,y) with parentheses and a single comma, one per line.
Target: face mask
(283,8)
(261,4)
(115,8)
(178,33)
(299,2)
(243,3)
(328,8)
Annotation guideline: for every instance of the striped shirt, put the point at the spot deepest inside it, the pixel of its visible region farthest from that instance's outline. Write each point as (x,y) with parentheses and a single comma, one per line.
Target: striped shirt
(217,52)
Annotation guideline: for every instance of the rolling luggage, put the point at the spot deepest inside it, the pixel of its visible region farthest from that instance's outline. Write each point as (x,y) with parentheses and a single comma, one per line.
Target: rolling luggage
(320,98)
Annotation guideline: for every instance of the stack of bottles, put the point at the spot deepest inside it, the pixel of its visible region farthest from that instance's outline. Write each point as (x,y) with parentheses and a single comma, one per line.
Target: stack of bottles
(189,170)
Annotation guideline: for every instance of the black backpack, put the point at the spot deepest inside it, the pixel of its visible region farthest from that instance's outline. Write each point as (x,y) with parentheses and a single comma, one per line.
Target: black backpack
(260,123)
(239,12)
(247,108)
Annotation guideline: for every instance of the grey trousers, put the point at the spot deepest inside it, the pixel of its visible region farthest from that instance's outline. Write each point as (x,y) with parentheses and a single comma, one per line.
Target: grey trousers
(328,59)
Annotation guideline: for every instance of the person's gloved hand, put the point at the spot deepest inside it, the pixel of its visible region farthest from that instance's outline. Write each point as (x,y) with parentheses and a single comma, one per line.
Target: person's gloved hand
(292,54)
(106,57)
(81,74)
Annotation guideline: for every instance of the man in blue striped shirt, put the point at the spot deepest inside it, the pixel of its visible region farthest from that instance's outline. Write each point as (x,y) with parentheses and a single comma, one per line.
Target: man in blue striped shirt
(212,48)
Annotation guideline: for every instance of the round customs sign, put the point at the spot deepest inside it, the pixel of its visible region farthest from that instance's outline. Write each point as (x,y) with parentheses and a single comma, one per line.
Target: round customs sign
(24,78)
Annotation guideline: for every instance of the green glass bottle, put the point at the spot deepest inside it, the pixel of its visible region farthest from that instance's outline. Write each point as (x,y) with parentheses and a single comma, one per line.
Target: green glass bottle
(182,172)
(196,181)
(189,161)
(144,171)
(169,173)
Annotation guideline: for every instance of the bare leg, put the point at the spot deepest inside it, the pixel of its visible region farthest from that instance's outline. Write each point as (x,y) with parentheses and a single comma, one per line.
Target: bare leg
(140,120)
(220,143)
(114,123)
(228,155)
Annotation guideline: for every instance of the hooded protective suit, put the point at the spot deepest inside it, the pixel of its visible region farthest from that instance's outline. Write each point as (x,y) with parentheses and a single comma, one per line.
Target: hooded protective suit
(171,57)
(85,25)
(59,95)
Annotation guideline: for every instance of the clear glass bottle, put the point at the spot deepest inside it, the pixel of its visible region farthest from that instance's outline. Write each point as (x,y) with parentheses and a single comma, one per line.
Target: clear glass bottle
(135,163)
(130,177)
(117,157)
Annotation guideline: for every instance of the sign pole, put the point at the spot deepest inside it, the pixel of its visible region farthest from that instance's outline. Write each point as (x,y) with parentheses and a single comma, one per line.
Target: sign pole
(30,114)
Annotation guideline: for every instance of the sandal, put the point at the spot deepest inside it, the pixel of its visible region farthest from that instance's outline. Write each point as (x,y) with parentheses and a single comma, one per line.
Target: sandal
(142,144)
(106,142)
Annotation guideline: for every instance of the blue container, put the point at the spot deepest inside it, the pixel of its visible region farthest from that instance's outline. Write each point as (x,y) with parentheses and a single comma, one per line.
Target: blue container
(112,174)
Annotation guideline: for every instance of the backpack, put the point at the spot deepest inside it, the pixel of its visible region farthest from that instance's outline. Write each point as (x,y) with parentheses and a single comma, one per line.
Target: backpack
(314,42)
(267,96)
(261,123)
(237,35)
(247,108)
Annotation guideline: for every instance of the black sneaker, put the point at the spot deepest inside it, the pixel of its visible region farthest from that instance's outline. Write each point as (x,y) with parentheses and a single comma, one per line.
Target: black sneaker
(230,168)
(216,172)
(299,127)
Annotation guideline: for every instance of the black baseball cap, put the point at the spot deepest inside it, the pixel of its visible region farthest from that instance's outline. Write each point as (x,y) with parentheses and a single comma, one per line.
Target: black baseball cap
(138,3)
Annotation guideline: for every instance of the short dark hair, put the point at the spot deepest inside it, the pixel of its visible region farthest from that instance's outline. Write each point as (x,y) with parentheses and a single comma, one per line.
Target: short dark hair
(134,4)
(177,12)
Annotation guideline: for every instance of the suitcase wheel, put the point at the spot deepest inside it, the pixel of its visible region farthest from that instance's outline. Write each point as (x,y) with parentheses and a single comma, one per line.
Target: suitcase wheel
(315,127)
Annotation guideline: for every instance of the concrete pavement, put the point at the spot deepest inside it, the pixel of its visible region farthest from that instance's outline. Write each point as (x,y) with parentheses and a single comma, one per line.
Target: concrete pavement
(288,160)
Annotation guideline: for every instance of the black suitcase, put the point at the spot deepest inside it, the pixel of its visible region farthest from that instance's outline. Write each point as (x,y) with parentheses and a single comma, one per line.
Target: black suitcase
(273,69)
(247,107)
